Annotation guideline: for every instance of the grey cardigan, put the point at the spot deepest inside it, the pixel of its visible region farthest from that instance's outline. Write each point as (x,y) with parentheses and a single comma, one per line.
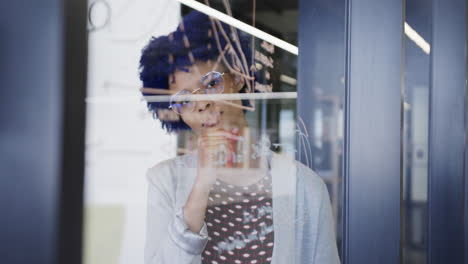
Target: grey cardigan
(302,218)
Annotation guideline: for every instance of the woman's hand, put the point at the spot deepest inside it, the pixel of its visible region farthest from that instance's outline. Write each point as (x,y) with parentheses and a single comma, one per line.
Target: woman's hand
(216,149)
(209,144)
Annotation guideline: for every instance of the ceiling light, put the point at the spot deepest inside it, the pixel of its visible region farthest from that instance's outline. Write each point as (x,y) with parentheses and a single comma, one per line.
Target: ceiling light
(416,38)
(289,80)
(241,25)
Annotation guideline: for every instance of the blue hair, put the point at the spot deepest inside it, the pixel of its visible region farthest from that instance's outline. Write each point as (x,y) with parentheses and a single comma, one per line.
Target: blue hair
(156,64)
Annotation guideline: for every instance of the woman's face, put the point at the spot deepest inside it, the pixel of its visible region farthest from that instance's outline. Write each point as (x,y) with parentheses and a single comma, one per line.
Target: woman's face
(210,115)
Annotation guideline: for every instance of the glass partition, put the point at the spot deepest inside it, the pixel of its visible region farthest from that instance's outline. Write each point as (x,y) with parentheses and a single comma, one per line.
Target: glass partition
(192,137)
(417,29)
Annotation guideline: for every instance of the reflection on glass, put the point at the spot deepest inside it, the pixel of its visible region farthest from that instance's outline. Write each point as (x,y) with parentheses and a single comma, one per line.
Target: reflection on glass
(233,199)
(223,184)
(415,132)
(323,86)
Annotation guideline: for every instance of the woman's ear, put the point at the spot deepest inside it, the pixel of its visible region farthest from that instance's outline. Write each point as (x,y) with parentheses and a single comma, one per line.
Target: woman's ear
(238,82)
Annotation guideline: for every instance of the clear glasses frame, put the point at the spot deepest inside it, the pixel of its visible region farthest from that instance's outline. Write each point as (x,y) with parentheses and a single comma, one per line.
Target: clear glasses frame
(210,83)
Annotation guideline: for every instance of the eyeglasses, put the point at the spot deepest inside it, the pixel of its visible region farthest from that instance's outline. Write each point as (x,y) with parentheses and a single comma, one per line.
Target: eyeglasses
(210,83)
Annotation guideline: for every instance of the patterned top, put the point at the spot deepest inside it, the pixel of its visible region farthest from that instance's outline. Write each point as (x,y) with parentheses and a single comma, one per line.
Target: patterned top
(240,223)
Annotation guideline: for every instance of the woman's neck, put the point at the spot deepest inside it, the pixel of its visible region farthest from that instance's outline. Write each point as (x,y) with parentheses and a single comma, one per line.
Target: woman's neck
(251,161)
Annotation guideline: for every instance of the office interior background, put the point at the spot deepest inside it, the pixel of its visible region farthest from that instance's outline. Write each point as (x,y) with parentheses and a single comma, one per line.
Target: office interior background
(376,89)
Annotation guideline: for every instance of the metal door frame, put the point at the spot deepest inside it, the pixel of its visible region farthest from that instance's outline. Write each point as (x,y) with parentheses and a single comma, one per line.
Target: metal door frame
(374,99)
(446,183)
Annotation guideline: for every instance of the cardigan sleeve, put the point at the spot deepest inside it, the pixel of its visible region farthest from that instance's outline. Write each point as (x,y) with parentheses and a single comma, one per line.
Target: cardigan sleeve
(168,239)
(326,250)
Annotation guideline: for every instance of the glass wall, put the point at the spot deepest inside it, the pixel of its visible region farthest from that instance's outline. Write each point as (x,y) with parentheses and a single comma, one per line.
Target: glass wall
(414,215)
(193,134)
(122,139)
(321,111)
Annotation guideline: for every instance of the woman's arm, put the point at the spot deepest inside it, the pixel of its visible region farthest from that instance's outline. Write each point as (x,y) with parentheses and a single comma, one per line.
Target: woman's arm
(168,237)
(195,207)
(178,235)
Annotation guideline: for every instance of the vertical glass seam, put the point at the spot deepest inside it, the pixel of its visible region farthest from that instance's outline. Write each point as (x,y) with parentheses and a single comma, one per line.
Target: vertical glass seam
(465,181)
(429,139)
(346,135)
(402,126)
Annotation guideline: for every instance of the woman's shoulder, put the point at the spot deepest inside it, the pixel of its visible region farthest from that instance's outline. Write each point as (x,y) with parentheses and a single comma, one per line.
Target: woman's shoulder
(307,180)
(309,177)
(166,170)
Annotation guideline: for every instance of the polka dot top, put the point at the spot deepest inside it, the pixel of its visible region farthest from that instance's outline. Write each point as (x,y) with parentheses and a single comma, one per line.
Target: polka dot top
(240,223)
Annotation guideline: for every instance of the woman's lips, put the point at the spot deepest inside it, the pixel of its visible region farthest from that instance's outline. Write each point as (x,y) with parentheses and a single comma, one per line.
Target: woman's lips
(208,125)
(211,120)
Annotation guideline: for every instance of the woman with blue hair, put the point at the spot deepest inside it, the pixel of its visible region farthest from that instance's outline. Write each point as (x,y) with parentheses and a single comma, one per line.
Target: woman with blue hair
(232,201)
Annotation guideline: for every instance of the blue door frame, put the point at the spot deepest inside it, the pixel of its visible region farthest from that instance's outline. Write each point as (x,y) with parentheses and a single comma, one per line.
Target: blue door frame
(42,109)
(446,195)
(373,63)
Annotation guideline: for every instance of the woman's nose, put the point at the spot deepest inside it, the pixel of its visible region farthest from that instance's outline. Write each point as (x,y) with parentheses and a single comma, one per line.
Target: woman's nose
(204,106)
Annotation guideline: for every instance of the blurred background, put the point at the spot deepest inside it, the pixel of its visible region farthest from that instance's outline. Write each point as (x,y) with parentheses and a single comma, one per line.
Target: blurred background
(77,138)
